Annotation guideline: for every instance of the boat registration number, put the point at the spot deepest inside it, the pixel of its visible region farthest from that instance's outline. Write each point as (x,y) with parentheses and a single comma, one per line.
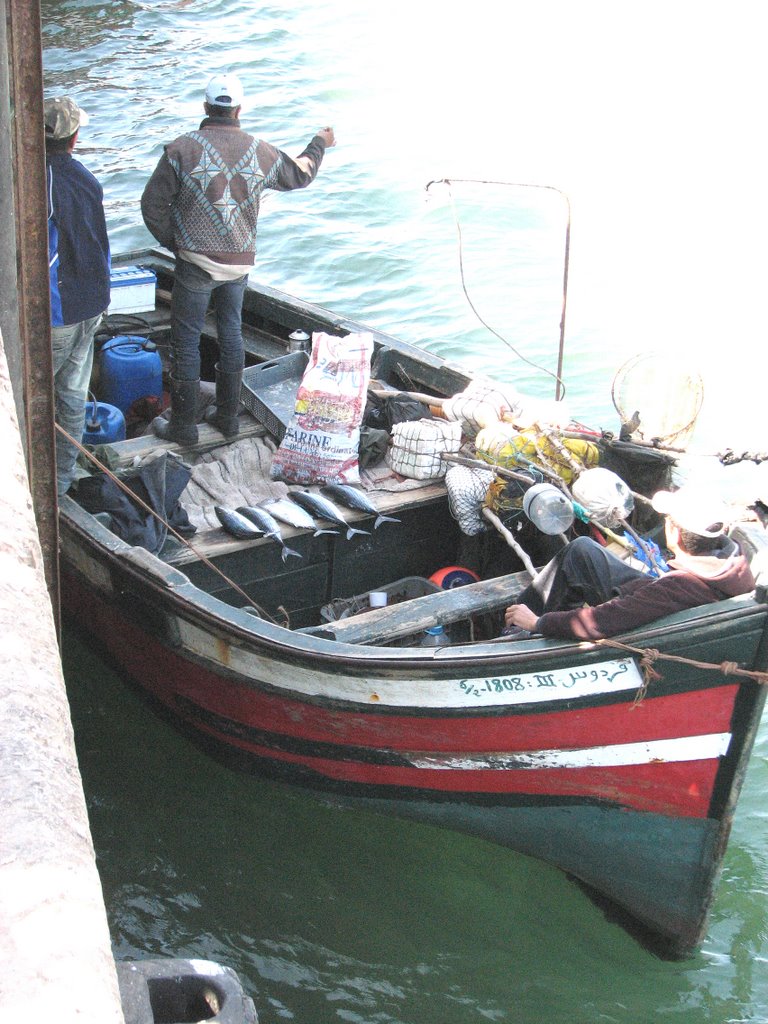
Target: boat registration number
(530,687)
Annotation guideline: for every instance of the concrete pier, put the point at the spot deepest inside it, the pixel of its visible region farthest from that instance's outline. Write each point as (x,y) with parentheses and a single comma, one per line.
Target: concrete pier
(54,940)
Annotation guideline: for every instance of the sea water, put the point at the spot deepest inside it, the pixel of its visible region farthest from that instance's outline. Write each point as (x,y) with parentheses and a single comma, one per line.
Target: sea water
(643,124)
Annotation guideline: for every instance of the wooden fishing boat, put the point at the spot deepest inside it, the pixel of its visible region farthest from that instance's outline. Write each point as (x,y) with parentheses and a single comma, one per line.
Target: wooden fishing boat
(561,751)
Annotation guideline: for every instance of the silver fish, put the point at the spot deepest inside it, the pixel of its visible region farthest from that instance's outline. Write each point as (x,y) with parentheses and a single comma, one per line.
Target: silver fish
(293,514)
(264,522)
(318,505)
(356,499)
(236,524)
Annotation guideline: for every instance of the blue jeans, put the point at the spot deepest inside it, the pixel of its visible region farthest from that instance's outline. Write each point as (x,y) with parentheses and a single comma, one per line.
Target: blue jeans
(193,288)
(72,349)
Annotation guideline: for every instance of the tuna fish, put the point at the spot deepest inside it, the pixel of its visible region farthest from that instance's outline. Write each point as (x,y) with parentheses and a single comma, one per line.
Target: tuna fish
(356,499)
(293,514)
(265,524)
(236,524)
(323,508)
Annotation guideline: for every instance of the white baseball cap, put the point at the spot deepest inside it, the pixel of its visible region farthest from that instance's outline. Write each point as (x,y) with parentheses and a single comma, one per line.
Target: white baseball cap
(224,91)
(693,510)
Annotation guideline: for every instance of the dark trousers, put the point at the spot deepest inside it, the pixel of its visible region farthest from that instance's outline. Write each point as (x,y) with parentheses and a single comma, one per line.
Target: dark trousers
(582,572)
(192,290)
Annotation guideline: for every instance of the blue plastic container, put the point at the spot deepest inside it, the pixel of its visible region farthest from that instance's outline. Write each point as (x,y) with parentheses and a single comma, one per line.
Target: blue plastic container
(129,368)
(103,424)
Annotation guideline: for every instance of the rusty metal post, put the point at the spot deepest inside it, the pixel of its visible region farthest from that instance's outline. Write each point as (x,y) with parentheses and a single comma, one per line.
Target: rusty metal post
(9,300)
(25,65)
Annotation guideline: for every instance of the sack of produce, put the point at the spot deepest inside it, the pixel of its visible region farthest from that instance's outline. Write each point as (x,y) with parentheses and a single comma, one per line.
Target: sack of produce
(604,495)
(321,442)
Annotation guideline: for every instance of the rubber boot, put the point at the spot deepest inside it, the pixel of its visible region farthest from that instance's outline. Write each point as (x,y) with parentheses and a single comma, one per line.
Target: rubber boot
(223,415)
(182,426)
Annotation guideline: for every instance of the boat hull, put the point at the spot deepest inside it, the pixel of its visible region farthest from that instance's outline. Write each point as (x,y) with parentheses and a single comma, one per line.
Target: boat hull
(550,749)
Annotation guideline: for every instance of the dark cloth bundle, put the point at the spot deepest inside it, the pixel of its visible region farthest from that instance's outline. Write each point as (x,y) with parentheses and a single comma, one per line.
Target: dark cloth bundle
(383,413)
(159,483)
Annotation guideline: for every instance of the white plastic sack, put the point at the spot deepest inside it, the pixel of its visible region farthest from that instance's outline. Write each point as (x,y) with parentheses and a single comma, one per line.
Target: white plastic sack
(604,495)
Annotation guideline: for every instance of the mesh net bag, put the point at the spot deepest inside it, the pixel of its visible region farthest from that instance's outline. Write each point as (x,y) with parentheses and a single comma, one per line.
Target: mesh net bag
(417,447)
(467,489)
(481,404)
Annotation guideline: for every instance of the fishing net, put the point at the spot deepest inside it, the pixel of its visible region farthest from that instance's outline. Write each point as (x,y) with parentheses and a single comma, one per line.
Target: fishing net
(657,399)
(481,404)
(567,457)
(467,488)
(505,497)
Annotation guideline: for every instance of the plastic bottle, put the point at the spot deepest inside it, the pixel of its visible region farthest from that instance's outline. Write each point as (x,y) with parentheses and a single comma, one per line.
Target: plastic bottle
(434,636)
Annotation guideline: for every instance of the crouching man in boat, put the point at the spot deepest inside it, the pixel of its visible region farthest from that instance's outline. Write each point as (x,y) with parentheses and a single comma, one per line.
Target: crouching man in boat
(586,593)
(202,202)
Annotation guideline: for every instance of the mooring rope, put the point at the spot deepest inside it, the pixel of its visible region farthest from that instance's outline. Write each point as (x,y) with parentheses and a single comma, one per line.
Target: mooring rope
(134,497)
(649,656)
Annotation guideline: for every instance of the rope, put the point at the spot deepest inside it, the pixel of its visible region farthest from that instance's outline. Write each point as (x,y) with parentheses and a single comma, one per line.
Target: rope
(135,498)
(730,458)
(536,366)
(649,656)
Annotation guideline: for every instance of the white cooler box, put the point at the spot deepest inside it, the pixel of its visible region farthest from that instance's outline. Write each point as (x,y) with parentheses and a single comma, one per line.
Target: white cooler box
(132,290)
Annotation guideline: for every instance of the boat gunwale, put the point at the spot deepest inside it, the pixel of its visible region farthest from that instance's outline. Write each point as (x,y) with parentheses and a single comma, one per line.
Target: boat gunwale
(238,625)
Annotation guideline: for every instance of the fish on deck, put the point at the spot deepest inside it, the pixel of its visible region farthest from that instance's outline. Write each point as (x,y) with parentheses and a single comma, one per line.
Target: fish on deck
(322,507)
(354,498)
(294,515)
(236,524)
(267,525)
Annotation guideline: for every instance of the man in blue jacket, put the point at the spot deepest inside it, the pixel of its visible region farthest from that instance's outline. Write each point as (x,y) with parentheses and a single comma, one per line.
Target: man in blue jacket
(79,265)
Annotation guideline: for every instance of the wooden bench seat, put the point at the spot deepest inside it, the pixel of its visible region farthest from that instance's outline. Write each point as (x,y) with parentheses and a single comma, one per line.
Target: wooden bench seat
(411,617)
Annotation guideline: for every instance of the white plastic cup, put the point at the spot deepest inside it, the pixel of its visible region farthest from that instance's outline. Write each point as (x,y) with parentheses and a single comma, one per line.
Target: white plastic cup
(377,598)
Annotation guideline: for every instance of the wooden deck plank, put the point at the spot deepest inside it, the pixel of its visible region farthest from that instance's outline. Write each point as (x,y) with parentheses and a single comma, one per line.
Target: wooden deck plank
(209,438)
(414,616)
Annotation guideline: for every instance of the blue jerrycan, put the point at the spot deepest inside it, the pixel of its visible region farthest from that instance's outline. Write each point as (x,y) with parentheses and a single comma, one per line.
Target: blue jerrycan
(129,368)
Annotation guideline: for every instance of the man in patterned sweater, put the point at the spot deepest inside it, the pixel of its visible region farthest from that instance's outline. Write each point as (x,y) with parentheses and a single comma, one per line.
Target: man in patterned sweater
(202,202)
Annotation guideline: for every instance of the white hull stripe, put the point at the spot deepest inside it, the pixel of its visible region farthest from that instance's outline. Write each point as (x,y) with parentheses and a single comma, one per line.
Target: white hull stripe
(506,689)
(689,748)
